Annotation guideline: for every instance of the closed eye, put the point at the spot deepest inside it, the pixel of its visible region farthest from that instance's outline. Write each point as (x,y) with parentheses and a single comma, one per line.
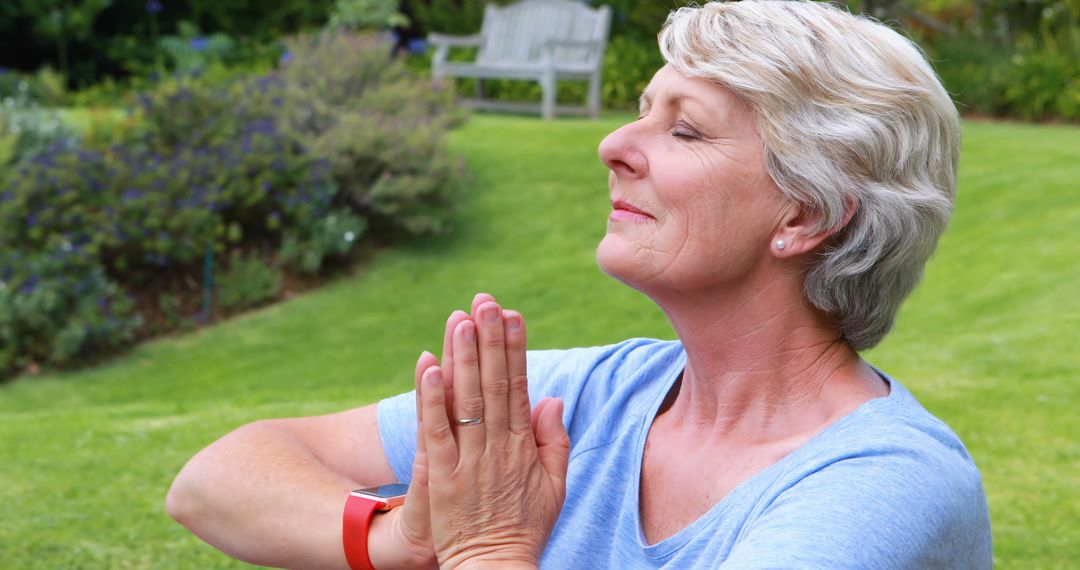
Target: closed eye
(685,131)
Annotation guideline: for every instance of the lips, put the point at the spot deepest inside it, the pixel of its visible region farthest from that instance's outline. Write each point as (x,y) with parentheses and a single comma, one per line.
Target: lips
(621,206)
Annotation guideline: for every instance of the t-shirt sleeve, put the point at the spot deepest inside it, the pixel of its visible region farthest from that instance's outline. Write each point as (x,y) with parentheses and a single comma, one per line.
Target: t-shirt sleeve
(552,373)
(890,509)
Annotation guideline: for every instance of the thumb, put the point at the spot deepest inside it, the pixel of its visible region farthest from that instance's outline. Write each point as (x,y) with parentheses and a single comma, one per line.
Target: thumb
(552,441)
(415,513)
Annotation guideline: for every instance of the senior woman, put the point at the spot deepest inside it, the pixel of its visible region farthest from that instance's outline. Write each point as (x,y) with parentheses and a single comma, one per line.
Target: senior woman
(788,177)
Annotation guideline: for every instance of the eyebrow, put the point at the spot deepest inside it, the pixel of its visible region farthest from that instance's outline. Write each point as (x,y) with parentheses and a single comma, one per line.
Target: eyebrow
(676,99)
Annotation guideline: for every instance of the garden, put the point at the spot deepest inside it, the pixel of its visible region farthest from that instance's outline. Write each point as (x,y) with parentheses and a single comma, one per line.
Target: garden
(207,218)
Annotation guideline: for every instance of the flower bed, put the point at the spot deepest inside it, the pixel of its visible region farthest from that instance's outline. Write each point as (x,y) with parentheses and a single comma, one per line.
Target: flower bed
(247,176)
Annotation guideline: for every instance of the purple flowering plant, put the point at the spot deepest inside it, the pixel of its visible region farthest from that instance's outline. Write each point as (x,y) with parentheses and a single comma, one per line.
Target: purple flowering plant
(302,163)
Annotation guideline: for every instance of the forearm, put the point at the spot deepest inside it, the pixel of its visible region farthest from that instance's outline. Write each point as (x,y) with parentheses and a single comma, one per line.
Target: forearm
(261,496)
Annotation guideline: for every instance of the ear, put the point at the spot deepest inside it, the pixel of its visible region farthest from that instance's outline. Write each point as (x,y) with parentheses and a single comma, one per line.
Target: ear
(796,234)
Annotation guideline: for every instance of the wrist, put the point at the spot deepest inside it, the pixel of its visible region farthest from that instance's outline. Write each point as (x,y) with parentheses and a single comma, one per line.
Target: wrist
(493,561)
(390,548)
(497,565)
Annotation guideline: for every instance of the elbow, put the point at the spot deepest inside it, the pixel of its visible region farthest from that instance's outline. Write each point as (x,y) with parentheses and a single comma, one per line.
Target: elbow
(179,500)
(192,492)
(200,492)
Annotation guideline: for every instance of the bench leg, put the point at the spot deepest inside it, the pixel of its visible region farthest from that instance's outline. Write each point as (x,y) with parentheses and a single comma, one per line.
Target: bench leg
(547,88)
(593,102)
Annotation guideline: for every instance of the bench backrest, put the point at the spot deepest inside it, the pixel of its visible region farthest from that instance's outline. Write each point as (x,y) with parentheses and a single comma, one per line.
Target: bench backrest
(517,33)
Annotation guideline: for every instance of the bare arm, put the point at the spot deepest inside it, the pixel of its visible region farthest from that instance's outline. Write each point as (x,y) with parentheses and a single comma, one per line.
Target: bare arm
(272,492)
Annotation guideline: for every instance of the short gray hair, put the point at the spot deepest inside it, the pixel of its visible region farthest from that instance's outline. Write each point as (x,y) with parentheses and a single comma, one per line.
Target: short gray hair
(852,116)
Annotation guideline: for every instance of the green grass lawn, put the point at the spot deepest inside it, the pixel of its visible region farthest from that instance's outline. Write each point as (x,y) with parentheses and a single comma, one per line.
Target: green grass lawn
(986,343)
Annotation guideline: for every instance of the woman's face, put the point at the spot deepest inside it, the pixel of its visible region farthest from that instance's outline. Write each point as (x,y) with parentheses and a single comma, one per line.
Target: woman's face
(692,206)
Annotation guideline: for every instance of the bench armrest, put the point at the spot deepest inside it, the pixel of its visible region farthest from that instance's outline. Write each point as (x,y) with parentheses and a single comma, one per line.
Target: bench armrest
(454,41)
(443,43)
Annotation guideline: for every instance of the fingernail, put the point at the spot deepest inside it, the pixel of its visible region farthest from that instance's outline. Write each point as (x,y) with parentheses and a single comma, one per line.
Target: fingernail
(435,378)
(468,332)
(489,314)
(513,322)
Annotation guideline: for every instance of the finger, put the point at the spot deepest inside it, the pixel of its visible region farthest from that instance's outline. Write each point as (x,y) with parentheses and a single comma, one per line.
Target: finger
(468,394)
(494,383)
(416,511)
(480,299)
(426,360)
(442,452)
(535,419)
(516,372)
(448,357)
(552,441)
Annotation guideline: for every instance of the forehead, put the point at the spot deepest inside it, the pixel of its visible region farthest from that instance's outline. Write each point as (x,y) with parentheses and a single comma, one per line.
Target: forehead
(671,88)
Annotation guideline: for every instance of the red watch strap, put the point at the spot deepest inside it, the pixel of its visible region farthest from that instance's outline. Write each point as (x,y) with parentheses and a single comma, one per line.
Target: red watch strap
(354,531)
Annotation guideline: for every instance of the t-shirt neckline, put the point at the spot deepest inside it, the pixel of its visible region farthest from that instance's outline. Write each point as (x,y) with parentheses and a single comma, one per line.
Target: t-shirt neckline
(673,543)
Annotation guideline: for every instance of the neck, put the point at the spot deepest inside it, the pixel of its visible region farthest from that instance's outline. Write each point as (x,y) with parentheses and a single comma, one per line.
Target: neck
(762,363)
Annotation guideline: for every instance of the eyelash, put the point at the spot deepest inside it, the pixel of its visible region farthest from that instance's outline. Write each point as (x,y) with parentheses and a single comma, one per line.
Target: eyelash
(688,132)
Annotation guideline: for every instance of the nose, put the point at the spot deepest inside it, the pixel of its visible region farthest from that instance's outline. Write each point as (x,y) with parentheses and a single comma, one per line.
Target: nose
(620,152)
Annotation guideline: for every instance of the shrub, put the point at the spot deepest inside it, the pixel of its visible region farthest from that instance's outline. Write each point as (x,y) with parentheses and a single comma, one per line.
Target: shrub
(45,87)
(380,129)
(248,281)
(55,307)
(305,248)
(367,14)
(297,164)
(31,130)
(1037,81)
(629,65)
(150,204)
(455,17)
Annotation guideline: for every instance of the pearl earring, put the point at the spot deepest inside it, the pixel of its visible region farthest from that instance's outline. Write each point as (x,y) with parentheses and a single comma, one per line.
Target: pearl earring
(780,244)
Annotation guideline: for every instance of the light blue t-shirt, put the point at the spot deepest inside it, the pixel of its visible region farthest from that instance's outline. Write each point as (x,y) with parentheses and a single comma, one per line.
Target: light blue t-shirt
(887,486)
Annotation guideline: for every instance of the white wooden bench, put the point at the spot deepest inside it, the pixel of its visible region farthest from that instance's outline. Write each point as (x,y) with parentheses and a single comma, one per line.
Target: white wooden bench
(533,40)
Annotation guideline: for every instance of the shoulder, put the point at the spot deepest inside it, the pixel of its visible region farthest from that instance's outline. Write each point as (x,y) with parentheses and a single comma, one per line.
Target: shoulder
(901,438)
(890,485)
(551,370)
(596,382)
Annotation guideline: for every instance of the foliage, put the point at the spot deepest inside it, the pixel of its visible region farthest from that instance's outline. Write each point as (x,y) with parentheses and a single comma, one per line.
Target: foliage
(381,130)
(1033,80)
(628,67)
(640,21)
(27,130)
(60,22)
(1000,57)
(190,51)
(55,306)
(306,248)
(90,40)
(1041,86)
(454,17)
(340,141)
(248,281)
(367,14)
(253,19)
(44,87)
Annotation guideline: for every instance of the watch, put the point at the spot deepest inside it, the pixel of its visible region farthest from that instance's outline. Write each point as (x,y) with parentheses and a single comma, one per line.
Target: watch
(360,507)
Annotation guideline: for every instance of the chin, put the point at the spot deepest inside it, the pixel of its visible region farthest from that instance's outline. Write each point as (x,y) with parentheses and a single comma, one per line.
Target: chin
(617,259)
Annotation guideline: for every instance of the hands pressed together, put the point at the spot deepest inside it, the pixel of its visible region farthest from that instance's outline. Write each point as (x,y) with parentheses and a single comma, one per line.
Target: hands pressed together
(489,477)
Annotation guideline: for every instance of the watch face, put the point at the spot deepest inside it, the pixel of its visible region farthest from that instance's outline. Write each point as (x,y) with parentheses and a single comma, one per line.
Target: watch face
(384,492)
